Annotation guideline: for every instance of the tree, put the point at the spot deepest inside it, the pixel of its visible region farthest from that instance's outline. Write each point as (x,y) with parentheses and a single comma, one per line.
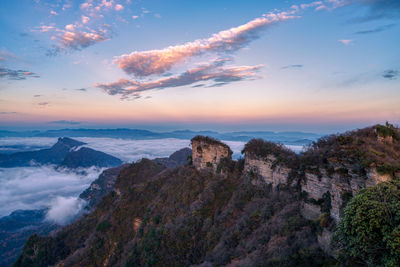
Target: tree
(369,232)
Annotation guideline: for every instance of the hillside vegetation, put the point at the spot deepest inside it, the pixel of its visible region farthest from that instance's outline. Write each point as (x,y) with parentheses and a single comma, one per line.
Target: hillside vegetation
(188,217)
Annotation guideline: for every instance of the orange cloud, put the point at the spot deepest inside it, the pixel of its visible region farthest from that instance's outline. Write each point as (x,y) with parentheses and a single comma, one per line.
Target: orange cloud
(215,72)
(159,61)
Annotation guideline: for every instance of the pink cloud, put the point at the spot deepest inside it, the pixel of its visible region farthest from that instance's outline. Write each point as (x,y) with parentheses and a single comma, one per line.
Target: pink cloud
(85,19)
(146,63)
(119,7)
(81,39)
(44,28)
(345,42)
(70,27)
(215,71)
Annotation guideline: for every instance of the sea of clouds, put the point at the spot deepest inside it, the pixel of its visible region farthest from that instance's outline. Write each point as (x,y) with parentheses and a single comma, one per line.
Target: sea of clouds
(25,188)
(57,190)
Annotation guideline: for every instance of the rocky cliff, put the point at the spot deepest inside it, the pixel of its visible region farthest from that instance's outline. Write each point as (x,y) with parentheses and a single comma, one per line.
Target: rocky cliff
(328,174)
(208,152)
(274,208)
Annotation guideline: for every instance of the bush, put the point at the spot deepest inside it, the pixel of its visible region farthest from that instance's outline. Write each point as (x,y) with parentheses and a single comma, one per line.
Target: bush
(369,232)
(387,130)
(103,226)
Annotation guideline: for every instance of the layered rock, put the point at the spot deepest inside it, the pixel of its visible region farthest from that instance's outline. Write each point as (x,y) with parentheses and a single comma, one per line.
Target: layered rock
(267,169)
(208,152)
(338,187)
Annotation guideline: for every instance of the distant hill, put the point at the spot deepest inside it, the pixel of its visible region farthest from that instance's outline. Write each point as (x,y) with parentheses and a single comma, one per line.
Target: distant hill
(294,138)
(86,157)
(53,155)
(66,153)
(177,159)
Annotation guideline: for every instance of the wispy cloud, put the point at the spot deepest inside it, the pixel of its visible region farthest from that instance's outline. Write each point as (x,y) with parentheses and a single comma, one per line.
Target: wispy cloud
(43,104)
(214,71)
(151,62)
(346,41)
(10,74)
(292,66)
(73,37)
(8,112)
(379,9)
(391,74)
(377,29)
(65,122)
(87,29)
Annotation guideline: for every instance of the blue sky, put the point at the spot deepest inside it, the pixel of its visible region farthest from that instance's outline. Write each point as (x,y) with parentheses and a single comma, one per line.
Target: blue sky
(254,65)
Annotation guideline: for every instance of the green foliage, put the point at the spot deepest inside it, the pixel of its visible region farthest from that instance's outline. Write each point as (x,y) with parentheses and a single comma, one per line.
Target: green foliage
(225,165)
(356,151)
(346,197)
(209,164)
(386,168)
(211,140)
(387,130)
(103,226)
(190,160)
(369,232)
(262,148)
(324,202)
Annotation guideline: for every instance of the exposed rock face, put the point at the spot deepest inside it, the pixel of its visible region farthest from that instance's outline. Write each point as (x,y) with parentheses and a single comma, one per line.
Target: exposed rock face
(177,159)
(267,169)
(338,186)
(208,152)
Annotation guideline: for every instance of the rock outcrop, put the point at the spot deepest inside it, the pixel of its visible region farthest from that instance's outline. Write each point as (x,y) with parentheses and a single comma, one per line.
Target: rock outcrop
(338,188)
(268,162)
(208,152)
(267,169)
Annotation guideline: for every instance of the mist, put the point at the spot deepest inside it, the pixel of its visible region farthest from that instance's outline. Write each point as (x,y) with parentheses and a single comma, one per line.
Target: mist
(37,187)
(64,209)
(47,187)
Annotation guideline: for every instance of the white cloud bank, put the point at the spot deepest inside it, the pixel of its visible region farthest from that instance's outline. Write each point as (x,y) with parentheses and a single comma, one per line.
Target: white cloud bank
(46,187)
(37,187)
(64,209)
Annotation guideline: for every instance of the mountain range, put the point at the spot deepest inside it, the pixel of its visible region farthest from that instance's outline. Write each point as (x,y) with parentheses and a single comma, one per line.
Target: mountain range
(282,137)
(66,152)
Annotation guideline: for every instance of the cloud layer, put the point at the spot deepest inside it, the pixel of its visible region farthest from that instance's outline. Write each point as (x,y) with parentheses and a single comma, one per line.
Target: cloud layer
(36,187)
(214,71)
(10,74)
(47,187)
(64,209)
(390,74)
(151,62)
(76,37)
(377,29)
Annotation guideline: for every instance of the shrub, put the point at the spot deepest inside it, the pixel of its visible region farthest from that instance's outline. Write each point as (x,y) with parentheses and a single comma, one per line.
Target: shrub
(103,226)
(369,232)
(387,130)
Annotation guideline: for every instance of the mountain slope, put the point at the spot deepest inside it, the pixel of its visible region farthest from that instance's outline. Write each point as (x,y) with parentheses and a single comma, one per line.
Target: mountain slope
(53,155)
(162,217)
(86,157)
(66,152)
(274,208)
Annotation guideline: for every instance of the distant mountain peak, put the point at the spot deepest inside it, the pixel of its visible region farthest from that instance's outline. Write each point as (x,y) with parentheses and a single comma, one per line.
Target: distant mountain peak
(66,141)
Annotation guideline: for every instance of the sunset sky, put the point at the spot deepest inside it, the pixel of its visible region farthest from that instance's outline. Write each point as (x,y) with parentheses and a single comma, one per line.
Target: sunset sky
(320,66)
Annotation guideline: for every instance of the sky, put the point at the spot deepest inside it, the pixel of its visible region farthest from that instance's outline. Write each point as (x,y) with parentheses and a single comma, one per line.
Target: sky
(322,66)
